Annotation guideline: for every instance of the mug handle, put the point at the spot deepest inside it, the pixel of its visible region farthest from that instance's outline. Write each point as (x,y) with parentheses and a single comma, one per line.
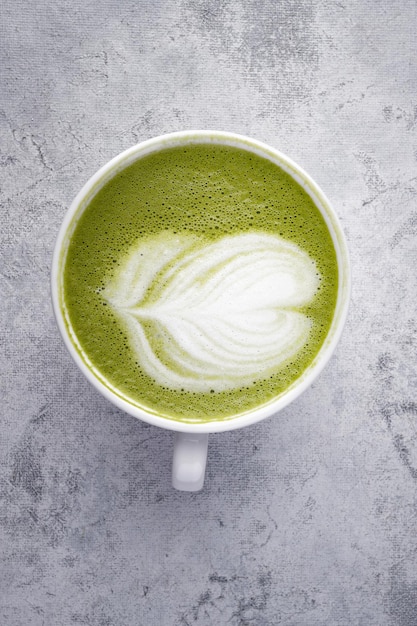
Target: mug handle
(189,461)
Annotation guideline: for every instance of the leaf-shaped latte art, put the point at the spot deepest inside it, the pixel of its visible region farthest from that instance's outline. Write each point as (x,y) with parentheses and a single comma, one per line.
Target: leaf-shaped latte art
(204,316)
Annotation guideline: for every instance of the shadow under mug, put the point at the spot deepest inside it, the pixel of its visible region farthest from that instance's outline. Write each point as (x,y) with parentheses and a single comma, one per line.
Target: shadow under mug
(191,440)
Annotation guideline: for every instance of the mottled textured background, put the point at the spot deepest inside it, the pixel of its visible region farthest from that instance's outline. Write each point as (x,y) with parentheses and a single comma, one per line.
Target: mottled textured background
(306,519)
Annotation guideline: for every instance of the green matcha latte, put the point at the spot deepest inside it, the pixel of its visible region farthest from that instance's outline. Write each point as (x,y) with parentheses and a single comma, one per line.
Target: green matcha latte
(200,282)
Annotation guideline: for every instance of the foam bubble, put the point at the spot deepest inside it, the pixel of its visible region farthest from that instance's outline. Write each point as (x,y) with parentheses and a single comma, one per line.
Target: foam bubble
(205,316)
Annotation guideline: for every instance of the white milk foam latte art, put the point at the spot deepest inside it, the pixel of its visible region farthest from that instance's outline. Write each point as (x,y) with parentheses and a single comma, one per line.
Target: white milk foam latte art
(206,316)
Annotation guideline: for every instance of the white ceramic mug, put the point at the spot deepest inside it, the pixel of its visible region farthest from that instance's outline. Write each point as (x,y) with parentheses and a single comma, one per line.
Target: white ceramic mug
(191,440)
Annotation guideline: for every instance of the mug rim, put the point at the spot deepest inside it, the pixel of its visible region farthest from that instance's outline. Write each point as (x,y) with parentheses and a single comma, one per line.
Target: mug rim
(134,153)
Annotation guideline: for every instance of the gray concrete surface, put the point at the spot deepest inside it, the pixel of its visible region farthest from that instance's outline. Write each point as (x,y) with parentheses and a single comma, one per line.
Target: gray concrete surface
(309,518)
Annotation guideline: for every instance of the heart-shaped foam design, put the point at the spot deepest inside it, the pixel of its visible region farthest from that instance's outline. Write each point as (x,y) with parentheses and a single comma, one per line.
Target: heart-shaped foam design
(202,315)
